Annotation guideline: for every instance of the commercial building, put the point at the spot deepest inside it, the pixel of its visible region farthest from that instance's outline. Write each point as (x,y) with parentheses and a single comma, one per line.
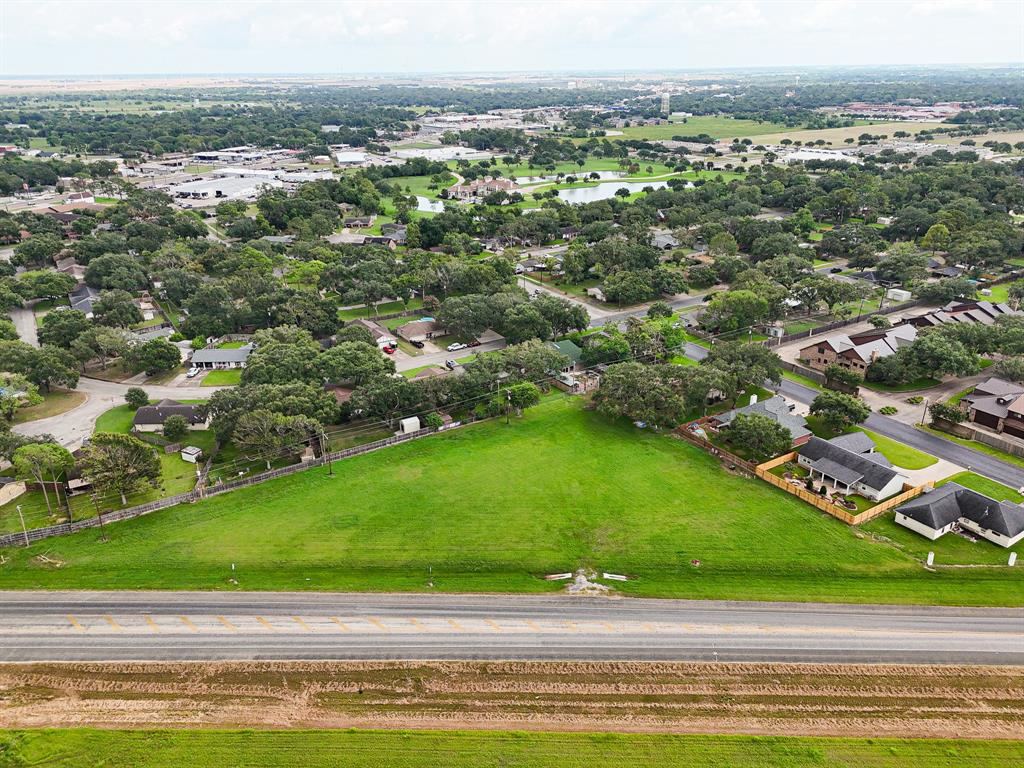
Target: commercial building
(221,188)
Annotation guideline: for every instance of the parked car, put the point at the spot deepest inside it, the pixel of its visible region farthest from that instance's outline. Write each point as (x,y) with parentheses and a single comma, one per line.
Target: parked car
(451,365)
(474,344)
(417,343)
(835,270)
(192,373)
(389,350)
(457,346)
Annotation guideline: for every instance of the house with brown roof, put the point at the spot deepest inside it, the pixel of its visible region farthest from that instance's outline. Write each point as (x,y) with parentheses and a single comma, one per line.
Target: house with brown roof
(858,351)
(421,330)
(969,312)
(998,405)
(481,188)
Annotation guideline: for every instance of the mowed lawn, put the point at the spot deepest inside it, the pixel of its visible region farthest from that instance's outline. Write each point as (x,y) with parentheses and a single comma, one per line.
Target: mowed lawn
(715,126)
(493,508)
(80,747)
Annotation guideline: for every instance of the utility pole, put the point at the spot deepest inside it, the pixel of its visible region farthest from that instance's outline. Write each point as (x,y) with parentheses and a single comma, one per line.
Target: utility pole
(24,530)
(323,452)
(924,412)
(508,407)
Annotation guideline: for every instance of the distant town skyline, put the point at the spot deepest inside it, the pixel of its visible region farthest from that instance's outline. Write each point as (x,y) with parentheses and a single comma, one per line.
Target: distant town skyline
(454,36)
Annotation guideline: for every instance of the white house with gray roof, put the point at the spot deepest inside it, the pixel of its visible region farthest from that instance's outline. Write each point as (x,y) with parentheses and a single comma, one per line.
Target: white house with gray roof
(937,512)
(213,357)
(850,463)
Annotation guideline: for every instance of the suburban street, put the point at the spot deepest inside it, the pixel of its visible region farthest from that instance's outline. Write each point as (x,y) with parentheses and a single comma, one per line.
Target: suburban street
(188,626)
(438,358)
(73,426)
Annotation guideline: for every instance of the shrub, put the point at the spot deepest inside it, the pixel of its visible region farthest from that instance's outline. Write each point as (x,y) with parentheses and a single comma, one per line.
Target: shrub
(915,400)
(946,412)
(175,427)
(433,420)
(136,397)
(887,410)
(198,342)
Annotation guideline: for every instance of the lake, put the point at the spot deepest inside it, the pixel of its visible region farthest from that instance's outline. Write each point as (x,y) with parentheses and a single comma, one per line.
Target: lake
(605,191)
(581,176)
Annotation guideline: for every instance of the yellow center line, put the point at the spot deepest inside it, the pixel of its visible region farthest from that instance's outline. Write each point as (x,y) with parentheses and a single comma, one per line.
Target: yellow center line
(303,625)
(418,624)
(341,624)
(188,623)
(532,625)
(648,627)
(377,623)
(266,624)
(75,624)
(571,626)
(227,624)
(608,625)
(455,625)
(492,624)
(152,624)
(110,620)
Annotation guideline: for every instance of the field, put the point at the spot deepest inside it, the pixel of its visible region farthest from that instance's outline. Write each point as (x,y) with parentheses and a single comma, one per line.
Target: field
(455,749)
(717,127)
(493,507)
(1010,137)
(804,700)
(837,136)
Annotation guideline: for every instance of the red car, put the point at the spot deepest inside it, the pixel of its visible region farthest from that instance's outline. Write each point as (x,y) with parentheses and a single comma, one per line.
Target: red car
(390,350)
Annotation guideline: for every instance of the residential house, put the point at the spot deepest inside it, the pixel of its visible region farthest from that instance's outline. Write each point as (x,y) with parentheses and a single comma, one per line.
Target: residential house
(481,188)
(381,335)
(212,358)
(951,506)
(358,222)
(665,241)
(83,298)
(429,373)
(775,408)
(857,352)
(151,418)
(69,266)
(420,330)
(572,354)
(998,405)
(970,312)
(386,240)
(850,469)
(147,306)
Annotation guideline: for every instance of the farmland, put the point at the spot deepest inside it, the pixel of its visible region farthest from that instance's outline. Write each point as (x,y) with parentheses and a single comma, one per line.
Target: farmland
(716,127)
(838,136)
(631,502)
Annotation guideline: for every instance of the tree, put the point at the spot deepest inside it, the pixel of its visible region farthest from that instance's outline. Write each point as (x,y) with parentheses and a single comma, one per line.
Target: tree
(45,284)
(354,362)
(117,309)
(386,398)
(16,391)
(659,309)
(520,396)
(627,287)
(136,397)
(562,314)
(946,290)
(227,406)
(122,464)
(267,435)
(838,410)
(355,333)
(935,355)
(153,357)
(1016,293)
(723,244)
(761,436)
(641,393)
(835,372)
(937,238)
(733,310)
(749,365)
(523,322)
(37,250)
(175,427)
(44,463)
(62,328)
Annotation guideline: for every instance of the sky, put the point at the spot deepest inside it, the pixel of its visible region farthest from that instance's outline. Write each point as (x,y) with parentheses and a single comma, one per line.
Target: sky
(81,37)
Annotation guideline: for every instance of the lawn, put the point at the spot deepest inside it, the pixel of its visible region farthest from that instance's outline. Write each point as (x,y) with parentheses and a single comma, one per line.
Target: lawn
(223,378)
(899,454)
(54,403)
(909,386)
(714,126)
(81,748)
(492,508)
(117,419)
(951,549)
(801,379)
(837,136)
(382,309)
(982,447)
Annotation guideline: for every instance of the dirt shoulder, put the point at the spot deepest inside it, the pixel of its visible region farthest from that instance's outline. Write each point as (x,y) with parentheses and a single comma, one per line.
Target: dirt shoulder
(783,699)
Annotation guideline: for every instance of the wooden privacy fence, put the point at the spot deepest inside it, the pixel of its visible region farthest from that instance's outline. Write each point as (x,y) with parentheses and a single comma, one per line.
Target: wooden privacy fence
(763,471)
(200,492)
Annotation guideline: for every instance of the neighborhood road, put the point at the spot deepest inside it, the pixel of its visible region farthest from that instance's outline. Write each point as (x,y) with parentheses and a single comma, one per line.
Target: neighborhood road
(438,358)
(190,626)
(71,427)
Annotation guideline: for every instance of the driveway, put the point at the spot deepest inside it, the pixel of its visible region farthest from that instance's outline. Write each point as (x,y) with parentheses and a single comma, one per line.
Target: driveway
(25,324)
(72,427)
(438,358)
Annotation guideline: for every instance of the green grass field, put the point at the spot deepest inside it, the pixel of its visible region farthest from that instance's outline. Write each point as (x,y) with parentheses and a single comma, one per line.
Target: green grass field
(54,403)
(382,309)
(78,748)
(898,453)
(717,127)
(494,507)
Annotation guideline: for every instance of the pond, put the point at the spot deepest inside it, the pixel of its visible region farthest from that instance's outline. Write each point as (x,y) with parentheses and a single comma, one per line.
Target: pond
(428,205)
(605,191)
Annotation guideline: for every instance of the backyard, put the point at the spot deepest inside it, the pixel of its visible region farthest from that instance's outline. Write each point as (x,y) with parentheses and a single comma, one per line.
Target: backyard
(492,508)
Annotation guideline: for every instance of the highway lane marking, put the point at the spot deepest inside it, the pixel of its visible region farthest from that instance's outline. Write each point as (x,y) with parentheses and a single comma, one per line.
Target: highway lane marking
(113,624)
(303,625)
(571,626)
(455,625)
(377,623)
(188,623)
(227,624)
(152,624)
(608,625)
(532,625)
(340,623)
(418,625)
(492,624)
(75,624)
(266,624)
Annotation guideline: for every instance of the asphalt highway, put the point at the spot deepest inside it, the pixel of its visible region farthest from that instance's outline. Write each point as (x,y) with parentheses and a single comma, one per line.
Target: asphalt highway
(190,626)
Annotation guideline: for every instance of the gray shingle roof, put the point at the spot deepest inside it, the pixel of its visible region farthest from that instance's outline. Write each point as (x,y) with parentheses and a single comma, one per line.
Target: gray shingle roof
(948,503)
(775,408)
(872,474)
(157,414)
(214,355)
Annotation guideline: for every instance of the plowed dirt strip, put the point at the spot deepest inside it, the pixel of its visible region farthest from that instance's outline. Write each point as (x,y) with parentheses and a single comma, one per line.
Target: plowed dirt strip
(812,700)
